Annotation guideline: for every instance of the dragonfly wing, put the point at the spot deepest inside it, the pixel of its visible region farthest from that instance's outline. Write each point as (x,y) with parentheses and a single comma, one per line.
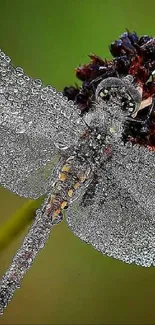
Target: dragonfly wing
(117,213)
(35,123)
(23,170)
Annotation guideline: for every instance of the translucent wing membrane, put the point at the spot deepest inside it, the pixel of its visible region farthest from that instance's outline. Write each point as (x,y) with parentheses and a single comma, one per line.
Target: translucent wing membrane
(35,121)
(117,213)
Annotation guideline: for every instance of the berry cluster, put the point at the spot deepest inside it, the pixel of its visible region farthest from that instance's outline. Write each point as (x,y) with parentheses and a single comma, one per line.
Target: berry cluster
(132,55)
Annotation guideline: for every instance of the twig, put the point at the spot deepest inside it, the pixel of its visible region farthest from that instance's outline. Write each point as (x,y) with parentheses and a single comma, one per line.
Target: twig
(34,241)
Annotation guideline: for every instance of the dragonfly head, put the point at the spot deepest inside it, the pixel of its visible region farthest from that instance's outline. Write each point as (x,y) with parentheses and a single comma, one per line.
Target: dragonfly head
(119,91)
(118,99)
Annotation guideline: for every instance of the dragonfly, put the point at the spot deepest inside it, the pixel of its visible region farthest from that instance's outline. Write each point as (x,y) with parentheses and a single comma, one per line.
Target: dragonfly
(106,186)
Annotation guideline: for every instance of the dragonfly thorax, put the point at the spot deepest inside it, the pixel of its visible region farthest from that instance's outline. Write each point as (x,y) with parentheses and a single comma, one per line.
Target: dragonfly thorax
(91,146)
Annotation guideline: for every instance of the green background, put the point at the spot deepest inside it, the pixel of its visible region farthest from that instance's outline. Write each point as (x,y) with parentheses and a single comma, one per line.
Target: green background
(70,282)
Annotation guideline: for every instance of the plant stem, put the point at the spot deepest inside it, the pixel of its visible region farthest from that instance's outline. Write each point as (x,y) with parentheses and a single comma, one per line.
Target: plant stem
(18,221)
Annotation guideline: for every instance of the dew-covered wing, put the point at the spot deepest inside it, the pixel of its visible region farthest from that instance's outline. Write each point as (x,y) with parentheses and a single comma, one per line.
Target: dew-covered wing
(117,213)
(34,121)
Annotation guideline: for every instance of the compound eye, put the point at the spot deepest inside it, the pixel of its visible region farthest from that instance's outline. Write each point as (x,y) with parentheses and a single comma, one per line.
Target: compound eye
(121,91)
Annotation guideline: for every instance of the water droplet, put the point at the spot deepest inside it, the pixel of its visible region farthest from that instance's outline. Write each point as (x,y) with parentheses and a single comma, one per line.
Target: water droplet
(44,90)
(8,59)
(71,103)
(34,91)
(65,99)
(60,95)
(10,97)
(18,285)
(19,71)
(26,78)
(37,83)
(43,96)
(2,55)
